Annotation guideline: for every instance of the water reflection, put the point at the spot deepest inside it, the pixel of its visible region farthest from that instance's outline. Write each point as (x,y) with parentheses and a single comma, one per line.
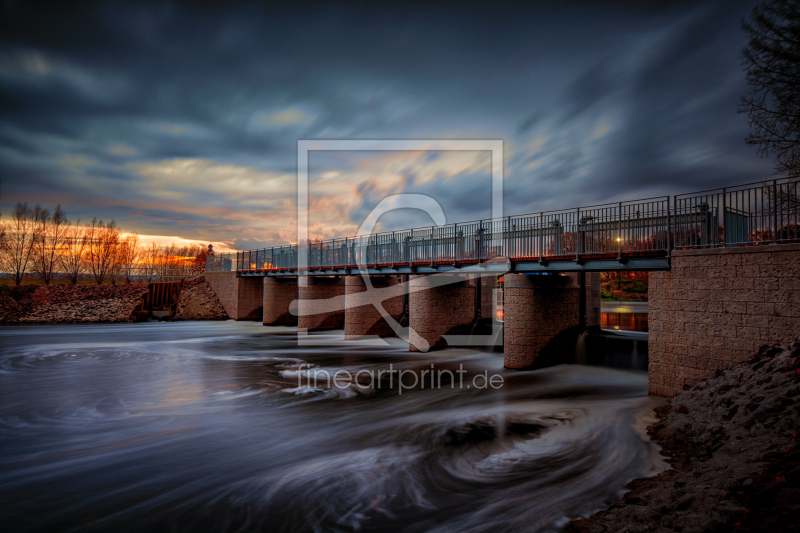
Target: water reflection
(624,316)
(202,427)
(624,321)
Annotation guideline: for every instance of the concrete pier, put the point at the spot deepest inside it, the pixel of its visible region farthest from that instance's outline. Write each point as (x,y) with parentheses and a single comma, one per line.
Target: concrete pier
(361,316)
(313,289)
(541,314)
(279,293)
(437,311)
(241,297)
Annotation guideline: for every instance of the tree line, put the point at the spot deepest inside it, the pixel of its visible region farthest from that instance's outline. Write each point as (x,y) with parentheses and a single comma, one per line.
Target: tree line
(48,245)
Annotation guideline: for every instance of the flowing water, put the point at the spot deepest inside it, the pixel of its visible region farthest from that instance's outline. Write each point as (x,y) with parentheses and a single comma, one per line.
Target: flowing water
(205,427)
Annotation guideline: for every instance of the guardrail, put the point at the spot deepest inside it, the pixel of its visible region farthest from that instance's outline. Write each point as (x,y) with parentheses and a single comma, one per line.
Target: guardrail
(157,274)
(751,214)
(744,215)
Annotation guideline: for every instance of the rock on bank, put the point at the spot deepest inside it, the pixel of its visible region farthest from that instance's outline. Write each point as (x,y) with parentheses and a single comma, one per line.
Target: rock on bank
(198,301)
(57,304)
(734,447)
(60,304)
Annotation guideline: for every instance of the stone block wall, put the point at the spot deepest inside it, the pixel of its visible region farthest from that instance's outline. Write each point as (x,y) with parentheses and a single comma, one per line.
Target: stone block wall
(315,313)
(361,317)
(224,286)
(436,311)
(541,313)
(250,299)
(717,307)
(279,293)
(241,297)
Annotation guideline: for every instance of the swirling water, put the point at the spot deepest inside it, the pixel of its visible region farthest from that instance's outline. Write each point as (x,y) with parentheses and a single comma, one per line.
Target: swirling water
(205,427)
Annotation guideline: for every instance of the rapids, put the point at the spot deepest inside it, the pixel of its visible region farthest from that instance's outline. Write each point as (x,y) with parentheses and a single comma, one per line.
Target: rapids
(219,427)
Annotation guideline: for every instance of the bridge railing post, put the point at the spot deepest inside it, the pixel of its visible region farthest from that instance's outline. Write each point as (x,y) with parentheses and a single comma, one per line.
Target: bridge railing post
(724,219)
(541,238)
(774,211)
(619,232)
(669,229)
(577,236)
(505,246)
(480,242)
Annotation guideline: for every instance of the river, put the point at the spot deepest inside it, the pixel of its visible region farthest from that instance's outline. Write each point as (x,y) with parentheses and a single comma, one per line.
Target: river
(215,426)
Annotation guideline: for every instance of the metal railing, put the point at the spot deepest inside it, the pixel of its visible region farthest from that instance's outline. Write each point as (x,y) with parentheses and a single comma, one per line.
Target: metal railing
(220,262)
(156,274)
(756,213)
(745,215)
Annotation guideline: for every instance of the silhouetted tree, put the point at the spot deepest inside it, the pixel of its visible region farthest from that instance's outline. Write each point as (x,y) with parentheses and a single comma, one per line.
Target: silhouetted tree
(103,247)
(73,256)
(21,234)
(129,252)
(50,234)
(772,60)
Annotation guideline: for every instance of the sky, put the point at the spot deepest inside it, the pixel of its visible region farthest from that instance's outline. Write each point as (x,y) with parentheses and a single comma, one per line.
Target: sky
(181,120)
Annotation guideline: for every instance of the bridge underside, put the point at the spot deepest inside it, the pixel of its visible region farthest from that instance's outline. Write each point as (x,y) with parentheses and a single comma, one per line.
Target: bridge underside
(517,267)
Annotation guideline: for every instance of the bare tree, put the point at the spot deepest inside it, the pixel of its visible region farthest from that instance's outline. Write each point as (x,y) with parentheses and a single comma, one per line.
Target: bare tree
(150,260)
(49,243)
(129,252)
(2,238)
(73,254)
(19,240)
(103,244)
(166,258)
(3,246)
(772,60)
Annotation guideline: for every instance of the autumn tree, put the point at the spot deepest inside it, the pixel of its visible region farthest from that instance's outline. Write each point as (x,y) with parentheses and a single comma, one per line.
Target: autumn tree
(20,237)
(50,233)
(128,255)
(201,257)
(103,244)
(73,253)
(772,61)
(150,259)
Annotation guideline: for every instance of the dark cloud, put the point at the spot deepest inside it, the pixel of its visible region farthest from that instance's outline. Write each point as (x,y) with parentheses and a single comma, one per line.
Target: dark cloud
(626,98)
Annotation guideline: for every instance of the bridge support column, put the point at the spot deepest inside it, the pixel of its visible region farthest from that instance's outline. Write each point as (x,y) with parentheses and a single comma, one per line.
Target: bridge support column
(361,317)
(279,293)
(311,291)
(719,306)
(437,311)
(541,319)
(487,296)
(240,297)
(592,295)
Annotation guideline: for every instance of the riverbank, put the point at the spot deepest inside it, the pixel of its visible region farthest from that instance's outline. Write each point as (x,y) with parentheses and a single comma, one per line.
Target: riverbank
(198,301)
(65,304)
(58,304)
(733,444)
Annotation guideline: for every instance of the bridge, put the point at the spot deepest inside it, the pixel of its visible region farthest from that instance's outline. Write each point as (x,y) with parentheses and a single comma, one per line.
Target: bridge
(727,259)
(631,235)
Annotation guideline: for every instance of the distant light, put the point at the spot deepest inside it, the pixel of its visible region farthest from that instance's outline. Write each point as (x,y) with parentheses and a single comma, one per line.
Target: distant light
(618,239)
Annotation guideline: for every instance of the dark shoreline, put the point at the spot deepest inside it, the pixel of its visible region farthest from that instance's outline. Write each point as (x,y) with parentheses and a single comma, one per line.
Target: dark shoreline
(101,304)
(732,441)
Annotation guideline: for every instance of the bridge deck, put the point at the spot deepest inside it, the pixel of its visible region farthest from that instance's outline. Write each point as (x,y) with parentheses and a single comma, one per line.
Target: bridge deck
(633,235)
